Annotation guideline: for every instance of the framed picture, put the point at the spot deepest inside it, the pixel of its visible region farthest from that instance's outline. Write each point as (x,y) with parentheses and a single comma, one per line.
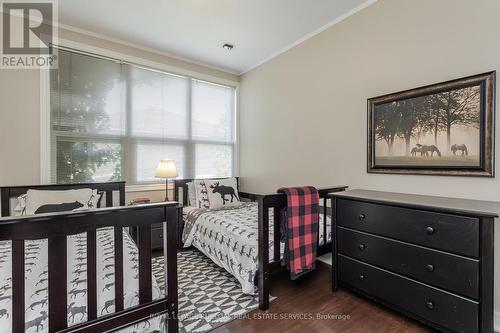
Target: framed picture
(441,129)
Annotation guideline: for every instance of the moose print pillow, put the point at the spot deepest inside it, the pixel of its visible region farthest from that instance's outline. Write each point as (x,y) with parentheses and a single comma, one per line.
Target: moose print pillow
(220,193)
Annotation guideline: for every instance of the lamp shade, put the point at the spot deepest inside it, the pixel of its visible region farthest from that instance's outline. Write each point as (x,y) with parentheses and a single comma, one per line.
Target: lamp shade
(166,169)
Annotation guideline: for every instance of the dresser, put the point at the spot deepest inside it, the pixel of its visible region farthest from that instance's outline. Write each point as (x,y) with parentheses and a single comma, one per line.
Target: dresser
(430,258)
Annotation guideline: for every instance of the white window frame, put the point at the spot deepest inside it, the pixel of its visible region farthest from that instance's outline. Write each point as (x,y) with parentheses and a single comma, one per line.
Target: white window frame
(45,134)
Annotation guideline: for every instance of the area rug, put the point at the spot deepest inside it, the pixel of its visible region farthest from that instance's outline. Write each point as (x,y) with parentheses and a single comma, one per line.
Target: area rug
(208,296)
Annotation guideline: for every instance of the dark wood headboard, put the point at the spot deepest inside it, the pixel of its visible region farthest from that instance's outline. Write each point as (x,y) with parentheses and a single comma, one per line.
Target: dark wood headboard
(182,184)
(9,192)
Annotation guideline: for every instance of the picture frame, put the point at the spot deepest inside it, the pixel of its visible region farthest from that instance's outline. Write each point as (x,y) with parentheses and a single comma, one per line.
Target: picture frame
(439,129)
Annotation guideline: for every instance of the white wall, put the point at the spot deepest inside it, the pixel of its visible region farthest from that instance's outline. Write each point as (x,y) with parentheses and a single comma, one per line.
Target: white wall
(303,114)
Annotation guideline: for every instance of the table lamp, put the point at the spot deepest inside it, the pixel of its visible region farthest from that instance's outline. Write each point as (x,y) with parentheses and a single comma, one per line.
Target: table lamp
(166,169)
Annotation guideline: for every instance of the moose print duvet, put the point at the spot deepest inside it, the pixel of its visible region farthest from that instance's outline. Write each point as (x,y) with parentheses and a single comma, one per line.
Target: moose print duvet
(36,282)
(229,237)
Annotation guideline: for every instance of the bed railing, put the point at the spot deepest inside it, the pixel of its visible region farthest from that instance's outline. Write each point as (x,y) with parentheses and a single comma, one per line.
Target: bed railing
(276,203)
(56,227)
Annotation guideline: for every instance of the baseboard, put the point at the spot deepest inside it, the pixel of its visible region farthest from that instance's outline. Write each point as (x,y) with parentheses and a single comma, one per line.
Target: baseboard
(496,322)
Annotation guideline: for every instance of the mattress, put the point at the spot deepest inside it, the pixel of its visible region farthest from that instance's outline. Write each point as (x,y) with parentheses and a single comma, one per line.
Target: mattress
(229,237)
(36,281)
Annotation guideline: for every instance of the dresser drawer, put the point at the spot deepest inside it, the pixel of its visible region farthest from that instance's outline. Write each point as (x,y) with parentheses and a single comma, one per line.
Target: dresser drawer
(423,264)
(452,233)
(440,307)
(157,238)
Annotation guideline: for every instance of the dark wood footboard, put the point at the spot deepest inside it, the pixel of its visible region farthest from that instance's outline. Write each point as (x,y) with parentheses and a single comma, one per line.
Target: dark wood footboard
(275,203)
(56,227)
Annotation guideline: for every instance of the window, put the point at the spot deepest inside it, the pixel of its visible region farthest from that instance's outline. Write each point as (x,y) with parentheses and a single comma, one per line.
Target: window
(115,121)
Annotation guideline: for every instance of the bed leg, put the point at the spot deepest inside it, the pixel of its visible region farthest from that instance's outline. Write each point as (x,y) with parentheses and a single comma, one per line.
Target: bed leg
(333,230)
(263,278)
(170,254)
(263,294)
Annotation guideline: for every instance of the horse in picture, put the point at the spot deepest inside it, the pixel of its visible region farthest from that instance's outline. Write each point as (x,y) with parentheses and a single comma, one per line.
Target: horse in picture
(462,148)
(416,150)
(425,150)
(430,149)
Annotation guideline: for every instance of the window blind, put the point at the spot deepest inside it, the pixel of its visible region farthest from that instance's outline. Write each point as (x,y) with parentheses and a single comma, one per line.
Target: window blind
(115,121)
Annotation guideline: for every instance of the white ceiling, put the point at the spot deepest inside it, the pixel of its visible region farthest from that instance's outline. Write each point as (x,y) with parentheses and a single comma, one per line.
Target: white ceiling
(197,29)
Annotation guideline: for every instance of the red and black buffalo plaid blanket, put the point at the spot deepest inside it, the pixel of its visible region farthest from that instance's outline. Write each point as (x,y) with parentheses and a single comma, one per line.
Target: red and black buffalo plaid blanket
(300,226)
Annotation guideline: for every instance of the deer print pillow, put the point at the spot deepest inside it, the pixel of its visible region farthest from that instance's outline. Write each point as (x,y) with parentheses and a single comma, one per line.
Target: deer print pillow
(222,192)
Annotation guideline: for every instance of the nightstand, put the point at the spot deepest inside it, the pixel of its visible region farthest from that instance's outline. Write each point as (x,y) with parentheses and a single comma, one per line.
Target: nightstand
(157,233)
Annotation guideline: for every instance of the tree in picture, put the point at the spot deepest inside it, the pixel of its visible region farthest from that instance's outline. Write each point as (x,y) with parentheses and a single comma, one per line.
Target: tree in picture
(422,130)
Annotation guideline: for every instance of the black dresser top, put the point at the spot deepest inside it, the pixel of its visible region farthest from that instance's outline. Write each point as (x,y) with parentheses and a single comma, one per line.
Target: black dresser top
(431,203)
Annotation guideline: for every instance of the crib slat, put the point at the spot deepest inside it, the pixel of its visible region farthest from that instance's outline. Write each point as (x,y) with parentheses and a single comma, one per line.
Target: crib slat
(109,198)
(91,275)
(17,286)
(5,201)
(118,269)
(58,291)
(277,233)
(144,242)
(185,195)
(122,193)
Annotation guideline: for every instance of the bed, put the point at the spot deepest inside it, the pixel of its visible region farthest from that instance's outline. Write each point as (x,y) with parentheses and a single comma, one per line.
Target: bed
(245,239)
(80,271)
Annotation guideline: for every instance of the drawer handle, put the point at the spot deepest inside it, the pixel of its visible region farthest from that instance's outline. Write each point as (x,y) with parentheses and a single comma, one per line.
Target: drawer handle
(361,277)
(361,217)
(429,268)
(430,230)
(160,235)
(361,247)
(430,305)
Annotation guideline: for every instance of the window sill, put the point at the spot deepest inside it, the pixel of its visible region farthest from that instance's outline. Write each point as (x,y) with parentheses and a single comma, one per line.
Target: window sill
(148,187)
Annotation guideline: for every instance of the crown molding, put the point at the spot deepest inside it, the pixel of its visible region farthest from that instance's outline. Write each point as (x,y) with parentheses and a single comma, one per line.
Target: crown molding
(89,33)
(143,48)
(207,65)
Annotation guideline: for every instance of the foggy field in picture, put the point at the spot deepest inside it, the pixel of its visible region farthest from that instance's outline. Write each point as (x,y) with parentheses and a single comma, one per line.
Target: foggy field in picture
(441,129)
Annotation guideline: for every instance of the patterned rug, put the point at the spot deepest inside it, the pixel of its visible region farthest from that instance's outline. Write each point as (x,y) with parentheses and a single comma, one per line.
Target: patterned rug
(208,296)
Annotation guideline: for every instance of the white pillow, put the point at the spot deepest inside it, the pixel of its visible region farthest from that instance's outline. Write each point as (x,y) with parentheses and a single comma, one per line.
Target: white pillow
(66,200)
(191,195)
(222,192)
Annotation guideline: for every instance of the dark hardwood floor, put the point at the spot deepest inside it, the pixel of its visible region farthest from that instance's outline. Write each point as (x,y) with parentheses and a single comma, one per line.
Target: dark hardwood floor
(312,295)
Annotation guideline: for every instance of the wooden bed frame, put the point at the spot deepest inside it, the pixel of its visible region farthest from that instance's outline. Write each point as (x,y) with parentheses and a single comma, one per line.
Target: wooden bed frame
(57,226)
(277,202)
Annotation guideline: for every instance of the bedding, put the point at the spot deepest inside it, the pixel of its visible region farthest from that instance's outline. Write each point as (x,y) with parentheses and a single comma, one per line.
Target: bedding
(36,282)
(229,237)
